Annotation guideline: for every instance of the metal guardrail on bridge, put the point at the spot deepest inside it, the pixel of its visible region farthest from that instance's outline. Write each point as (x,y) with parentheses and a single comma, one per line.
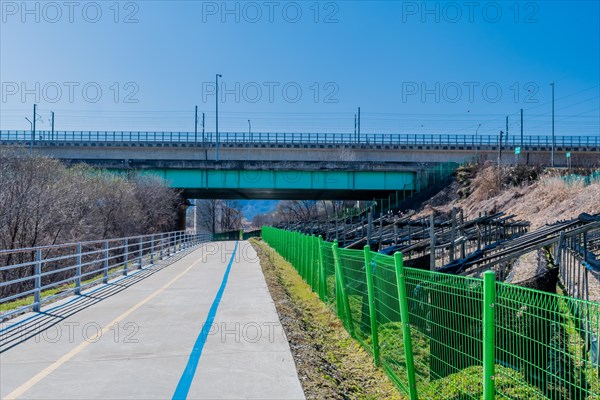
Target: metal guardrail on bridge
(45,137)
(39,274)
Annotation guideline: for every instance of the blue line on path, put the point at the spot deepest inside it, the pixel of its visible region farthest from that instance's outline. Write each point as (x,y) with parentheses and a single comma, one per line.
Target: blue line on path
(183,387)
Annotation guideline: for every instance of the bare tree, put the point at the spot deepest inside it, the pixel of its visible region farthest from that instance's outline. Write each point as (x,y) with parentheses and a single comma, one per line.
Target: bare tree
(207,215)
(231,216)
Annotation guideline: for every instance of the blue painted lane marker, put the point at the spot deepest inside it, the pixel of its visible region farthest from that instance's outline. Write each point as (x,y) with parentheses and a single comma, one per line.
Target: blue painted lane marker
(185,382)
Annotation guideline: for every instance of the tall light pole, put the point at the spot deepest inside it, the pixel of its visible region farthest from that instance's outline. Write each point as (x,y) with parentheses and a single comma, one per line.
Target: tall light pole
(358,124)
(477,144)
(34,118)
(249,130)
(202,129)
(553,142)
(52,126)
(521,127)
(217,117)
(32,134)
(196,125)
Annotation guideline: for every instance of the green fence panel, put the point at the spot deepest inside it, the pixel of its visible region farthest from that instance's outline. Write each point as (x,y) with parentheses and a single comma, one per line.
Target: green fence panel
(539,345)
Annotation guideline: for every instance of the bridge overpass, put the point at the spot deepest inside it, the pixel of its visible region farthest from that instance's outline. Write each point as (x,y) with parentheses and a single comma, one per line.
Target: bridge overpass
(308,147)
(265,166)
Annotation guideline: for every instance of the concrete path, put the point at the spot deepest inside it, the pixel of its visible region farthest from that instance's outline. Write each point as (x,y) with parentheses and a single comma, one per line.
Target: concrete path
(202,327)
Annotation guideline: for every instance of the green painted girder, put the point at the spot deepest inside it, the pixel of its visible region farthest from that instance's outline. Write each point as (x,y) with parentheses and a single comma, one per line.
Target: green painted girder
(286,180)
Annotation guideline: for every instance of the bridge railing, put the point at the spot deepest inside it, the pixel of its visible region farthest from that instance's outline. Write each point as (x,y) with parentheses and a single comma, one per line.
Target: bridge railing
(33,276)
(209,138)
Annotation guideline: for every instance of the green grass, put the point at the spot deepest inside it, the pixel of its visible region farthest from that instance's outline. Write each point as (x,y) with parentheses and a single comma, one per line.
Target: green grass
(468,384)
(18,303)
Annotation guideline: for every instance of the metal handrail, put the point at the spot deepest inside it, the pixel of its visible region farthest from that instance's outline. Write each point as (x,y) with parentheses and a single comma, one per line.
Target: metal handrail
(100,259)
(210,138)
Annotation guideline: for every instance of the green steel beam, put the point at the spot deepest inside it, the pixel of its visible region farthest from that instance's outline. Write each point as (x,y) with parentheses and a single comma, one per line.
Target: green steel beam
(286,180)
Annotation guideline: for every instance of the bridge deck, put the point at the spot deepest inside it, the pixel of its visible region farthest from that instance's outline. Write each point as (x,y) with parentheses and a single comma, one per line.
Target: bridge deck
(144,336)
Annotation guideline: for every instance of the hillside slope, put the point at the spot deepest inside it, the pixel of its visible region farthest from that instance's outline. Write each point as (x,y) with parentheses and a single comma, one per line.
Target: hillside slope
(539,197)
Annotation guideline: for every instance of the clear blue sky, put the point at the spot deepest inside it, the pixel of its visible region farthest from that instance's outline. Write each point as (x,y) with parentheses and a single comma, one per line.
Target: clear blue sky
(376,55)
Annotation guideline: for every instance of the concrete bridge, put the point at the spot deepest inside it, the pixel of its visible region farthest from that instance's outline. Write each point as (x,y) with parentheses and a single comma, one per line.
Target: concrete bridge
(228,146)
(297,165)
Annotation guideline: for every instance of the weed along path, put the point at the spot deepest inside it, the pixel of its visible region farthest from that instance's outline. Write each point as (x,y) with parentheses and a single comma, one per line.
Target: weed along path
(203,327)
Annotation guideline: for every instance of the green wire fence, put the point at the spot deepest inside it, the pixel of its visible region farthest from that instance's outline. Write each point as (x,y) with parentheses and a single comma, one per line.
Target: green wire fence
(451,337)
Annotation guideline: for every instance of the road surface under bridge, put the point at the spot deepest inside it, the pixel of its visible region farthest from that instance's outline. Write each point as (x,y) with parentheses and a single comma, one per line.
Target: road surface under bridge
(204,326)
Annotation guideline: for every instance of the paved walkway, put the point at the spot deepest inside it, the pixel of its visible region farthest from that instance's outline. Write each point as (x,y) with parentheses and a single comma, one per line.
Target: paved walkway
(202,327)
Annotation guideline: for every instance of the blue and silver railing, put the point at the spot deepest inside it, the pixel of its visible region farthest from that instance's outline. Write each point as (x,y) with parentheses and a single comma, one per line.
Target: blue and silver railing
(37,275)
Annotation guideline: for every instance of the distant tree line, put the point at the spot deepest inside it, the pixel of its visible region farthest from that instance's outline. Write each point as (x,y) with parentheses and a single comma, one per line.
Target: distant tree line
(302,211)
(44,202)
(214,216)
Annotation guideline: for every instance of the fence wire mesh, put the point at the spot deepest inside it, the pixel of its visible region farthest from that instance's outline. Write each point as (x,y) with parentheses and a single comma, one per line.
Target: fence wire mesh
(543,345)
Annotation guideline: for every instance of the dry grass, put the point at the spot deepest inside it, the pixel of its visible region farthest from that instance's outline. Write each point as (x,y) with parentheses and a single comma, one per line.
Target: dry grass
(330,364)
(539,200)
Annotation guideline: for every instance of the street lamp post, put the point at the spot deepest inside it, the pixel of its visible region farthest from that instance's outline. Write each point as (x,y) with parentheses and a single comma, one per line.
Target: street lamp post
(217,117)
(477,144)
(32,135)
(553,141)
(250,131)
(34,119)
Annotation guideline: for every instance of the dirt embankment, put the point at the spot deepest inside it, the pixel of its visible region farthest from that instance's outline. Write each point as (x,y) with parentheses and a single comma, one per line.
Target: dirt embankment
(533,195)
(330,364)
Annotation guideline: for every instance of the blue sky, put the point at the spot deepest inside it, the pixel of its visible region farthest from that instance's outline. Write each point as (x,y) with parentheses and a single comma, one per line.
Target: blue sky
(412,67)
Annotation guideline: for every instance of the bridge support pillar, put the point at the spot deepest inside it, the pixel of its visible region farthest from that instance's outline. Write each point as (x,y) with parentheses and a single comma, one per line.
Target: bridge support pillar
(181,218)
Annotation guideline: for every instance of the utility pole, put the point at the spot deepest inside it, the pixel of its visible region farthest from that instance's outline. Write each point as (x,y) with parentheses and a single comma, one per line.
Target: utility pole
(355,138)
(30,142)
(52,136)
(358,124)
(521,128)
(500,148)
(477,144)
(217,116)
(33,130)
(249,130)
(507,130)
(203,128)
(196,125)
(553,143)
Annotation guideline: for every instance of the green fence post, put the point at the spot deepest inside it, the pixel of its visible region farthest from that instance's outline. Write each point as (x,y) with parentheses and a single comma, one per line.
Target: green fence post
(408,351)
(489,332)
(322,276)
(313,283)
(372,305)
(304,257)
(341,290)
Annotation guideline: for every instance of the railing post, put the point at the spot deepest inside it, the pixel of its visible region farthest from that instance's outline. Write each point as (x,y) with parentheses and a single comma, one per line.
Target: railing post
(37,298)
(162,244)
(152,249)
(403,301)
(322,276)
(125,256)
(141,250)
(372,305)
(341,291)
(168,244)
(489,331)
(78,270)
(105,271)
